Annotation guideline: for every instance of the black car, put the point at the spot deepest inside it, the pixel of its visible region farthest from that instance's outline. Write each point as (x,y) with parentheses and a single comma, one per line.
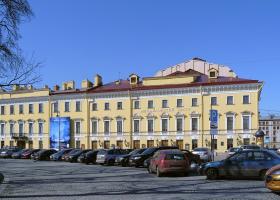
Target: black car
(58,155)
(7,153)
(18,154)
(44,154)
(123,160)
(138,159)
(89,157)
(29,154)
(73,157)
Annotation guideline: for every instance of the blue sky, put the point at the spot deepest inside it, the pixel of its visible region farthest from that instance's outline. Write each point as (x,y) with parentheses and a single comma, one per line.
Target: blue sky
(75,39)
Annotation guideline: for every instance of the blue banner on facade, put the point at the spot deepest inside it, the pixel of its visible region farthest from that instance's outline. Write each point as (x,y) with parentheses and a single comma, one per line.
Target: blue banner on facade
(59,132)
(214,122)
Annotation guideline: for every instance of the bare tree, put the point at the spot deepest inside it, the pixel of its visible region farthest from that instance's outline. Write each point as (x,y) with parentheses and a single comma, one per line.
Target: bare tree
(15,69)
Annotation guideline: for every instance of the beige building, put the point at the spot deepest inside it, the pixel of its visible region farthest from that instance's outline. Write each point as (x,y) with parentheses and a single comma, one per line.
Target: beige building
(170,109)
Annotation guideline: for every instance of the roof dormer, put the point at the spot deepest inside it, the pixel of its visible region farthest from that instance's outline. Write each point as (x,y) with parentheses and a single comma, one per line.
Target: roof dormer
(213,73)
(133,79)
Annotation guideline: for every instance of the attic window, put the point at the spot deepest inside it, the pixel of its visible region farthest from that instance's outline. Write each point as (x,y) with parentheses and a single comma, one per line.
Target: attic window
(213,74)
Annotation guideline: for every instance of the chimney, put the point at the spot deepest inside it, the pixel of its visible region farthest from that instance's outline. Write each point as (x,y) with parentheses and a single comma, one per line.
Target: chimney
(16,87)
(69,85)
(56,88)
(86,84)
(97,80)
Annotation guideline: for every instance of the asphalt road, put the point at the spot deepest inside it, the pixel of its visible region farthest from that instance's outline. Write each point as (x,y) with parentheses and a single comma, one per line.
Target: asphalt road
(26,179)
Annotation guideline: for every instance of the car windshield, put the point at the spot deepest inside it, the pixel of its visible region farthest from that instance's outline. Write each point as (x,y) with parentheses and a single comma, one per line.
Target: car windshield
(174,157)
(149,151)
(200,149)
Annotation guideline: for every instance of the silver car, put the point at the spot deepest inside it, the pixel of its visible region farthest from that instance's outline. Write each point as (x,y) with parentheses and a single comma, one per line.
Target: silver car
(204,153)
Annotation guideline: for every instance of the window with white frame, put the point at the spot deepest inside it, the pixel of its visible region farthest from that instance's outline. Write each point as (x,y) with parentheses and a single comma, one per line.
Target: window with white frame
(119,126)
(66,106)
(246,99)
(30,128)
(119,105)
(136,104)
(164,103)
(213,101)
(106,106)
(2,129)
(194,124)
(194,102)
(30,108)
(2,110)
(246,122)
(150,125)
(41,107)
(230,121)
(20,129)
(164,125)
(94,106)
(229,100)
(179,103)
(77,127)
(136,125)
(179,124)
(12,126)
(21,109)
(78,106)
(55,107)
(150,104)
(40,128)
(106,127)
(94,127)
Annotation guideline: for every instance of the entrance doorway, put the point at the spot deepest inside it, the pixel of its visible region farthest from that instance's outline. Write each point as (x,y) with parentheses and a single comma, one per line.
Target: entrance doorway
(179,144)
(30,144)
(164,143)
(2,144)
(136,144)
(106,144)
(94,144)
(21,144)
(150,143)
(120,144)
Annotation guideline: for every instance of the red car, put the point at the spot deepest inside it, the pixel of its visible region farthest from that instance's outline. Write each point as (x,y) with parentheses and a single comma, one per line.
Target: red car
(169,161)
(27,154)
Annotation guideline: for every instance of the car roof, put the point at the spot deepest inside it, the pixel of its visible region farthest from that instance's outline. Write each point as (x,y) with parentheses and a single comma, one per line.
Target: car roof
(170,151)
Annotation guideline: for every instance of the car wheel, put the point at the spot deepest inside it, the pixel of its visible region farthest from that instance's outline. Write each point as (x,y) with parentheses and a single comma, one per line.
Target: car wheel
(262,174)
(212,174)
(158,172)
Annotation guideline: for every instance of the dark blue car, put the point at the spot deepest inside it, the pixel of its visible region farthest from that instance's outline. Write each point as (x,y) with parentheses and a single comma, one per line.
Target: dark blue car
(243,164)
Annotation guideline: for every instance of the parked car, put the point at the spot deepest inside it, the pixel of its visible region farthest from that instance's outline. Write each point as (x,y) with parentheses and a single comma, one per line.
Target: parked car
(193,158)
(169,161)
(58,155)
(7,153)
(272,179)
(74,156)
(65,156)
(233,150)
(243,164)
(123,160)
(137,160)
(205,154)
(44,154)
(30,153)
(108,157)
(89,157)
(249,147)
(18,154)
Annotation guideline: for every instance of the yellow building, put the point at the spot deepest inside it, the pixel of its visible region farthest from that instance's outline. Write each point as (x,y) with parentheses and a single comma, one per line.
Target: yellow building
(172,109)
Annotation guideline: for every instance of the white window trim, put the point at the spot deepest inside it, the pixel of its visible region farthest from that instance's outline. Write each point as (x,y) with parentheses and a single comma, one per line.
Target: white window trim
(78,134)
(232,99)
(249,98)
(139,126)
(250,121)
(183,125)
(167,132)
(119,133)
(91,127)
(233,125)
(76,106)
(69,106)
(148,126)
(198,127)
(109,133)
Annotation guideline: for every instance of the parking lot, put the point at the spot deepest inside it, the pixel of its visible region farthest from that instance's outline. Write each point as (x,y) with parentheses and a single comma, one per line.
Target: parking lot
(26,179)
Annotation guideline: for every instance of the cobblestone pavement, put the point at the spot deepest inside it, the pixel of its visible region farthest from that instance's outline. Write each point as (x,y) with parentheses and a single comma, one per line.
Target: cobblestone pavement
(26,179)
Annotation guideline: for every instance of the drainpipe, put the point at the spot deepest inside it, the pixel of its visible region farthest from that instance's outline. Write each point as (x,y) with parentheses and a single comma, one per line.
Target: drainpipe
(130,120)
(202,117)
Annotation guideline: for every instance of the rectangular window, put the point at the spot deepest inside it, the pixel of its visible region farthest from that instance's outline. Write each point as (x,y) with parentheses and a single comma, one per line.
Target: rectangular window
(230,123)
(55,107)
(150,125)
(215,144)
(94,106)
(78,106)
(41,130)
(94,126)
(164,125)
(30,129)
(119,126)
(20,129)
(229,100)
(194,102)
(2,129)
(2,110)
(246,123)
(213,101)
(106,127)
(66,106)
(194,143)
(229,143)
(119,105)
(78,144)
(30,108)
(12,129)
(21,109)
(179,103)
(12,109)
(78,127)
(179,123)
(136,104)
(164,104)
(107,106)
(246,99)
(41,108)
(194,124)
(150,104)
(136,126)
